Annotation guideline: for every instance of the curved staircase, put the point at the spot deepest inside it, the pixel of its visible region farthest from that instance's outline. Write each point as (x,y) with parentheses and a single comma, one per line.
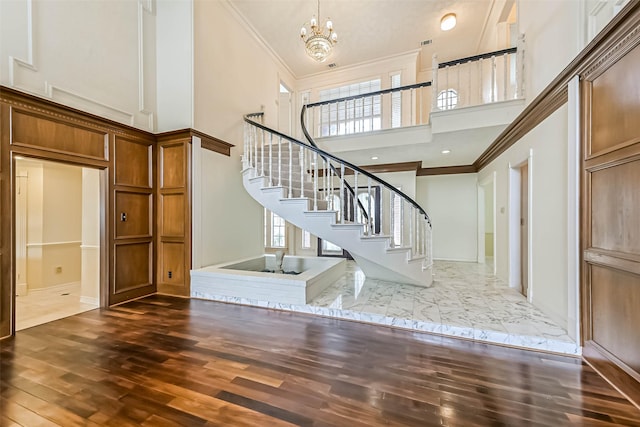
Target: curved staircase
(387,233)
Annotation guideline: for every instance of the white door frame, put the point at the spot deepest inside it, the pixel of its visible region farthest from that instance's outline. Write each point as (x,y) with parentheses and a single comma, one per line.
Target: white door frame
(514,224)
(491,179)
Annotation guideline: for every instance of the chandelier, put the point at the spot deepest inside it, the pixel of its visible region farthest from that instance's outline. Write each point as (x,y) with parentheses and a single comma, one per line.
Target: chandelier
(318,39)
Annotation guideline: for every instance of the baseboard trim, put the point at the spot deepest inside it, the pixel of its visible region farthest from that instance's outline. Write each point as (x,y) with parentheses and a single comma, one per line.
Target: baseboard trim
(601,361)
(475,261)
(89,300)
(56,288)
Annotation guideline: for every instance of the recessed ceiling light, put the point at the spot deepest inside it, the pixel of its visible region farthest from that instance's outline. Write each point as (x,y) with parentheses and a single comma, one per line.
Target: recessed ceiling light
(446,151)
(448,21)
(374,158)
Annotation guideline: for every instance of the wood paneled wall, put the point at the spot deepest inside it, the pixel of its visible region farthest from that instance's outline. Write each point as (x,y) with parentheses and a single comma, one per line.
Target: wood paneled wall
(611,222)
(132,213)
(146,222)
(174,213)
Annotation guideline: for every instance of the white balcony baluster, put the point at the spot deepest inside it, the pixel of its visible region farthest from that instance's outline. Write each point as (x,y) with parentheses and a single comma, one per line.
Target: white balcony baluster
(290,171)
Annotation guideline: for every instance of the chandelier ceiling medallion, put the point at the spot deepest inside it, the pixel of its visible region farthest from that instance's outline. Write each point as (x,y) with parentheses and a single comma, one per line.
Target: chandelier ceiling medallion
(318,39)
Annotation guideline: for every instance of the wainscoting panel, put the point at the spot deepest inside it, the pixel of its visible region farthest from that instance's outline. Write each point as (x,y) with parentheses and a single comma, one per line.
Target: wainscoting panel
(614,100)
(133,163)
(172,176)
(611,223)
(133,215)
(172,262)
(616,299)
(134,267)
(174,213)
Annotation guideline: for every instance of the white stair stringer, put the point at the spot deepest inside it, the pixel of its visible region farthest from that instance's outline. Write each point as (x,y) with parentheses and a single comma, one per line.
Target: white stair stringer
(372,253)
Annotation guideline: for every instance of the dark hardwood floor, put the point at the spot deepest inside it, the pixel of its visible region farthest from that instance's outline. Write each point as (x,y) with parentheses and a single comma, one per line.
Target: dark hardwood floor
(164,361)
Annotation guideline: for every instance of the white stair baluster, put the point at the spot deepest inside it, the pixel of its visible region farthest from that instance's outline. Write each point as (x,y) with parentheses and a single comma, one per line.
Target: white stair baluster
(244,149)
(369,213)
(255,157)
(290,172)
(315,181)
(325,170)
(262,153)
(392,224)
(355,196)
(341,197)
(270,159)
(302,174)
(331,175)
(411,236)
(280,161)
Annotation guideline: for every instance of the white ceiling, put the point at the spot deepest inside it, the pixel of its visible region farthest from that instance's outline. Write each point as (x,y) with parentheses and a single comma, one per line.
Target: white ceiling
(368,29)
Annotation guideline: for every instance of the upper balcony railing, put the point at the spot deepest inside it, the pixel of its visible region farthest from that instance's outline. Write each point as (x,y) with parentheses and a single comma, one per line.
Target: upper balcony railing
(478,80)
(475,80)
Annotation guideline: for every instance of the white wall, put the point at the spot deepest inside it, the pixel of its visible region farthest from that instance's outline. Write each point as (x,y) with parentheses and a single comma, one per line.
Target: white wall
(233,75)
(174,53)
(97,56)
(552,32)
(451,203)
(54,223)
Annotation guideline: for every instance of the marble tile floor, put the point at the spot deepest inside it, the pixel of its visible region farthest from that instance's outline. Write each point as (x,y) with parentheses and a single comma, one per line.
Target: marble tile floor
(43,306)
(465,301)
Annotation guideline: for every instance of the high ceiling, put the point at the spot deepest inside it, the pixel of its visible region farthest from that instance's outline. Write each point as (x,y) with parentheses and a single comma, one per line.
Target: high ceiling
(368,29)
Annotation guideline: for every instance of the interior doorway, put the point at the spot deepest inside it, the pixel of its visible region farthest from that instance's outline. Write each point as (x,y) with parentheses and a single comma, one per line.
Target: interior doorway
(524,229)
(58,240)
(487,222)
(520,227)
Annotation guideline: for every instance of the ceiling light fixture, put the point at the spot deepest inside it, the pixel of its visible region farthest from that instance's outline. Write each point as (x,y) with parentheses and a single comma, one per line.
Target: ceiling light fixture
(446,151)
(320,39)
(448,21)
(374,158)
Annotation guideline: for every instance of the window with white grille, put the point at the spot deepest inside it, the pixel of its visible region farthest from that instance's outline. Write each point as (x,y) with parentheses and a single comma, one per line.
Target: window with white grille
(275,230)
(447,99)
(353,116)
(306,239)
